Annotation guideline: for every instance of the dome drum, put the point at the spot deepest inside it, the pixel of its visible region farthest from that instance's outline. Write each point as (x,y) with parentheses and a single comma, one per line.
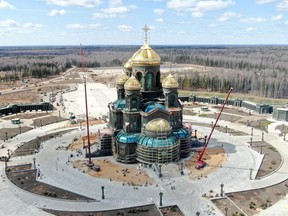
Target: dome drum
(151,150)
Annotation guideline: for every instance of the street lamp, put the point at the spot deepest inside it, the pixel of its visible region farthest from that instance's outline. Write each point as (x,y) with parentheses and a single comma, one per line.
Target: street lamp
(34,161)
(221,191)
(160,194)
(160,174)
(102,188)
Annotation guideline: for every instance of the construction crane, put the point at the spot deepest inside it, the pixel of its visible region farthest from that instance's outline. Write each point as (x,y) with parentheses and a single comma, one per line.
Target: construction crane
(200,162)
(90,163)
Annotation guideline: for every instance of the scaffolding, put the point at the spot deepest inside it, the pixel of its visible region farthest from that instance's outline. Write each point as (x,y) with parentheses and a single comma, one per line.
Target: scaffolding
(163,150)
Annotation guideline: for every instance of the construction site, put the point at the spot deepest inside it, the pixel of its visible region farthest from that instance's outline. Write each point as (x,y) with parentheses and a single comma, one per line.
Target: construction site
(92,144)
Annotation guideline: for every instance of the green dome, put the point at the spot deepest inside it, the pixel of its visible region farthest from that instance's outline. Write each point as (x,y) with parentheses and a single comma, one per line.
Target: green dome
(158,125)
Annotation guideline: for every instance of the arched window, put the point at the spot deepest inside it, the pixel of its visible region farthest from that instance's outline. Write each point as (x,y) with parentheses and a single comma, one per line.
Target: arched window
(134,103)
(171,99)
(158,80)
(149,80)
(139,76)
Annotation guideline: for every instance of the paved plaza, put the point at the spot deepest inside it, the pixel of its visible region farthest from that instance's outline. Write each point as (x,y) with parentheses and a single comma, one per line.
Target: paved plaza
(57,171)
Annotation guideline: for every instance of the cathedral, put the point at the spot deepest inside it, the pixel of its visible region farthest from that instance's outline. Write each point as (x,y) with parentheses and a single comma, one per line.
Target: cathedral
(146,120)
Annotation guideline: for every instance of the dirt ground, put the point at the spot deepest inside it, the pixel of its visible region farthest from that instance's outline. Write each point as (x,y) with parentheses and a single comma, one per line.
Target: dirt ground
(214,157)
(129,175)
(271,161)
(24,176)
(78,144)
(26,115)
(251,202)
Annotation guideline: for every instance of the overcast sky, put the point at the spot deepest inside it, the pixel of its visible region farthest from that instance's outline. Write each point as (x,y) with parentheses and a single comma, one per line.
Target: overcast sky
(120,22)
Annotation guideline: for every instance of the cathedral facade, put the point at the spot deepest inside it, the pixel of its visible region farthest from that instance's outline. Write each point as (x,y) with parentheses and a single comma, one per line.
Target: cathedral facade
(147,117)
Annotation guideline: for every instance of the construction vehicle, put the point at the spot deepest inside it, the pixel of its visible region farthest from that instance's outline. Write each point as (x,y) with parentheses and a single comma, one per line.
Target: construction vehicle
(200,162)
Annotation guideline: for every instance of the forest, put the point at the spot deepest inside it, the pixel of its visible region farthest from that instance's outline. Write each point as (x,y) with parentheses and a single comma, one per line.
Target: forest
(257,70)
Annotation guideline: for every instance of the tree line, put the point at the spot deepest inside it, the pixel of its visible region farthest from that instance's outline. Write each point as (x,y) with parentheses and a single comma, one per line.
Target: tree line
(257,70)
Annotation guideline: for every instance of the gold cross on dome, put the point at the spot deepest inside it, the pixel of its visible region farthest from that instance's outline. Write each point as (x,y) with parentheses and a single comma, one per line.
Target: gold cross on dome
(146,29)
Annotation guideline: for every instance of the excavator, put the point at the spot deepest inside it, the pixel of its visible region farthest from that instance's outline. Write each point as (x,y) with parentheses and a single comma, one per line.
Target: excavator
(200,162)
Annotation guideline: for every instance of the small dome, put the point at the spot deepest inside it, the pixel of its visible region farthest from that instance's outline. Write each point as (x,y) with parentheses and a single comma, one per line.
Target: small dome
(158,125)
(170,82)
(132,84)
(146,56)
(128,64)
(122,79)
(153,106)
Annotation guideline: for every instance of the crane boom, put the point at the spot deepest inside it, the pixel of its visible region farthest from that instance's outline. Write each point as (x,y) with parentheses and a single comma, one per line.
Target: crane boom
(200,162)
(90,163)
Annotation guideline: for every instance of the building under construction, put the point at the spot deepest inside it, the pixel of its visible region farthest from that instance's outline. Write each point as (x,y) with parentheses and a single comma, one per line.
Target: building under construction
(146,120)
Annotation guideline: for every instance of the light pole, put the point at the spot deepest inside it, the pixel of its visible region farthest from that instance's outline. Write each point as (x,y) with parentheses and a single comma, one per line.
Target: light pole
(160,174)
(251,173)
(182,168)
(221,191)
(161,195)
(251,131)
(34,161)
(102,188)
(251,141)
(262,136)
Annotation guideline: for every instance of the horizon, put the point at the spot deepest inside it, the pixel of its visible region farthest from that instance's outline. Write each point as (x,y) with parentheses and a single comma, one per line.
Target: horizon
(151,45)
(121,22)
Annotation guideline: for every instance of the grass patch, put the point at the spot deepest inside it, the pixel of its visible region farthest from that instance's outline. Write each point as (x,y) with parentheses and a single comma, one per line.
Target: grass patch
(264,124)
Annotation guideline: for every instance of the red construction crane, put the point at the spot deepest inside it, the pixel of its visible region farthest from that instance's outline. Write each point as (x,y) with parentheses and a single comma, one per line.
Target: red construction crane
(200,162)
(90,163)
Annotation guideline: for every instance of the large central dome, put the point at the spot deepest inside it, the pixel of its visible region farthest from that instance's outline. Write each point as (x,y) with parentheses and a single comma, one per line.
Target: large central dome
(146,56)
(158,125)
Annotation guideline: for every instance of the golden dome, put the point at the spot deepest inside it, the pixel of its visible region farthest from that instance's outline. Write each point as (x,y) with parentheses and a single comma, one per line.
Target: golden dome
(170,82)
(158,125)
(128,64)
(146,56)
(122,79)
(132,84)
